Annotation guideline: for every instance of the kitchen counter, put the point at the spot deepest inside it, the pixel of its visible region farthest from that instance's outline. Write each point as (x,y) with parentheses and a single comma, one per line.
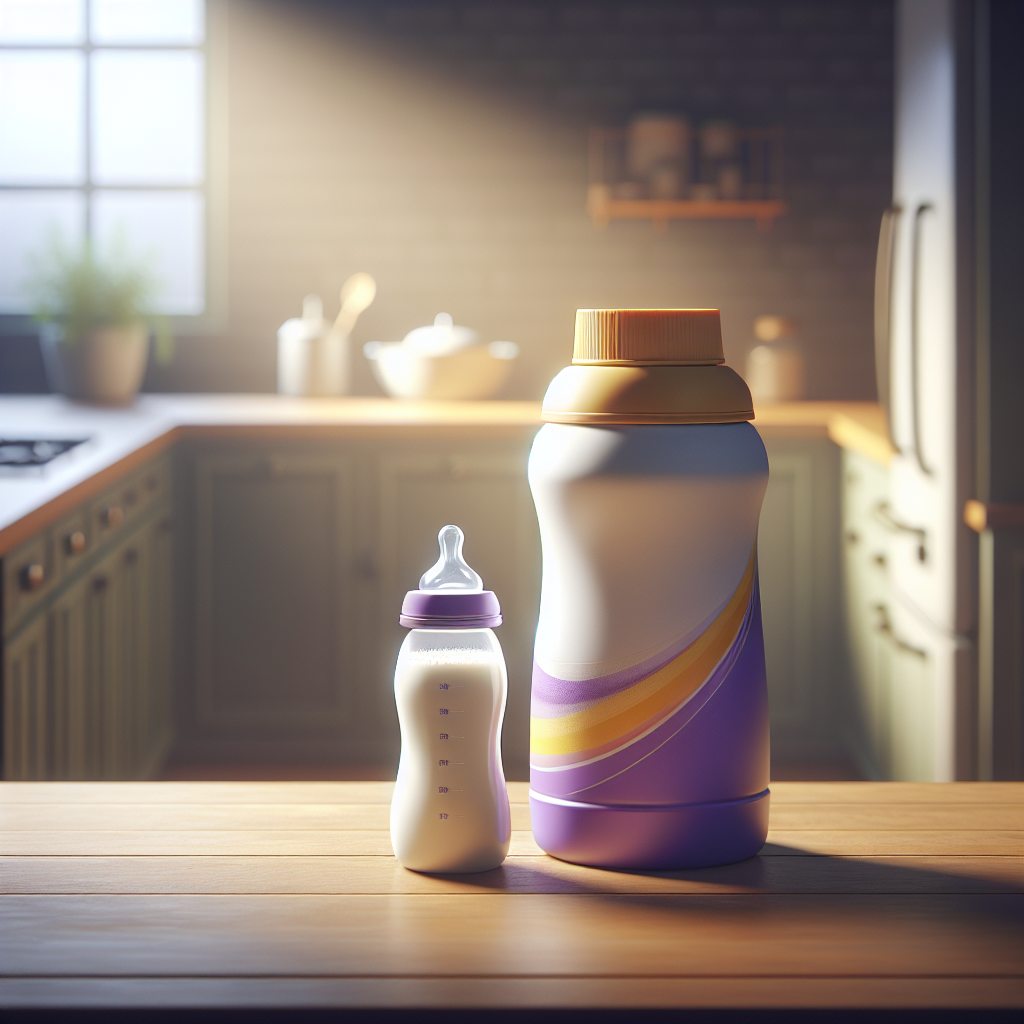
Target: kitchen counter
(121,439)
(881,895)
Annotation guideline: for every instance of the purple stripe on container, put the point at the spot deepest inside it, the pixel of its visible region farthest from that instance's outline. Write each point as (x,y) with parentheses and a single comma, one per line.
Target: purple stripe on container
(674,764)
(551,696)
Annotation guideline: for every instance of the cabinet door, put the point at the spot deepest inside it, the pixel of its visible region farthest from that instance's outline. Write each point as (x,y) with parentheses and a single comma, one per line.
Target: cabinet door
(156,724)
(110,664)
(102,717)
(799,565)
(865,597)
(487,495)
(785,558)
(26,705)
(273,595)
(906,686)
(71,676)
(130,702)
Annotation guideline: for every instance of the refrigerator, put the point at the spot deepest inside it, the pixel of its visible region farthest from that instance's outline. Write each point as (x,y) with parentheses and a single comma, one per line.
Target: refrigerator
(932,294)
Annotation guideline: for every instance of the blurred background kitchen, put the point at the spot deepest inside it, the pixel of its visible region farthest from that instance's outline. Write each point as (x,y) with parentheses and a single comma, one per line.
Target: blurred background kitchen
(443,148)
(486,161)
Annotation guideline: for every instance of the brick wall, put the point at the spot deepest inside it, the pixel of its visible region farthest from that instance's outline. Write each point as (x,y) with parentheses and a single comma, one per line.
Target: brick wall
(442,147)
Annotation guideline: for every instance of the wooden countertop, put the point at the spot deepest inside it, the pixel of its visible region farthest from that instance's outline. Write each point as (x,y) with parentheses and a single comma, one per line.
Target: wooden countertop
(286,894)
(121,439)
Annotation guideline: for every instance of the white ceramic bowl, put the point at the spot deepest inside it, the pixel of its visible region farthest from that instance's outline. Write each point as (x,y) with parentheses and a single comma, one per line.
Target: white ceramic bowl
(477,371)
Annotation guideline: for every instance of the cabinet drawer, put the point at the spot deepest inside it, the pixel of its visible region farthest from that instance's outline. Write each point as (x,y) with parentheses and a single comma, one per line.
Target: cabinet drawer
(28,577)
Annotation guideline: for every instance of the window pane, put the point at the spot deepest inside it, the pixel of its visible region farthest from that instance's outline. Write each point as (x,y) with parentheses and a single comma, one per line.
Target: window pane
(169,22)
(41,118)
(29,223)
(147,126)
(165,229)
(42,21)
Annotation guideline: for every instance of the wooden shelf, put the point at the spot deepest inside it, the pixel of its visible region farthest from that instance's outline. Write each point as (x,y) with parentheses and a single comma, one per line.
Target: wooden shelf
(758,155)
(660,211)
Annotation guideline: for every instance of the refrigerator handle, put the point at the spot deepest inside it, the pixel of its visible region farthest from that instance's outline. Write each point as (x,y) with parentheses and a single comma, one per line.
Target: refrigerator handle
(915,404)
(884,263)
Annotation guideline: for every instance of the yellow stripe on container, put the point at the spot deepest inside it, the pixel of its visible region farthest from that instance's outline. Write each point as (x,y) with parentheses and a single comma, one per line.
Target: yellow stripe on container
(623,712)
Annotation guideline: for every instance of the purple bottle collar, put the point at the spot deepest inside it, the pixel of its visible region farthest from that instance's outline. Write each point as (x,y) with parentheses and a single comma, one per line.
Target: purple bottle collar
(451,609)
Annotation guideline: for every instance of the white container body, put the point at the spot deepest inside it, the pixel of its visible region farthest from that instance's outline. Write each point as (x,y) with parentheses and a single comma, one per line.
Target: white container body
(450,809)
(647,531)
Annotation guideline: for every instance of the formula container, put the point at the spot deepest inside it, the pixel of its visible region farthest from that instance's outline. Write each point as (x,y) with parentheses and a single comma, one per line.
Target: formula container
(450,809)
(649,718)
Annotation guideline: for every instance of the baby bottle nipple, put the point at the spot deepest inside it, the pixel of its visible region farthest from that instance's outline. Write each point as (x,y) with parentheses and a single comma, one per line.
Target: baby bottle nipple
(450,571)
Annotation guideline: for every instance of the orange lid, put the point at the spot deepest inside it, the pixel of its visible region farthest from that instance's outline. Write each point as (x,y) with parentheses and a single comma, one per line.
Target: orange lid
(648,337)
(648,366)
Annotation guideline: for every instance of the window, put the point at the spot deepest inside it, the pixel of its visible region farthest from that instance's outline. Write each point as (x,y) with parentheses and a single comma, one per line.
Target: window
(103,136)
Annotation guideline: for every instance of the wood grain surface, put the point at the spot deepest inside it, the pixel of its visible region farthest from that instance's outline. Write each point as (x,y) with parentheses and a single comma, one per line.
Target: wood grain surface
(286,894)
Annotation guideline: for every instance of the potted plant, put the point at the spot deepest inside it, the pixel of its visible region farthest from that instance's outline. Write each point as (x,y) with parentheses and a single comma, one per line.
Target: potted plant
(95,320)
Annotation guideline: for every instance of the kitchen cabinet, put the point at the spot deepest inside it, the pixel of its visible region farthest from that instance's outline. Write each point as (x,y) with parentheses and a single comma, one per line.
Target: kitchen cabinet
(87,639)
(895,720)
(301,554)
(798,570)
(297,531)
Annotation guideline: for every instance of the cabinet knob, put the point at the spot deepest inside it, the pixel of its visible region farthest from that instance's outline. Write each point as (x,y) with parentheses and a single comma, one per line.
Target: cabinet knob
(33,576)
(131,556)
(74,543)
(99,584)
(113,516)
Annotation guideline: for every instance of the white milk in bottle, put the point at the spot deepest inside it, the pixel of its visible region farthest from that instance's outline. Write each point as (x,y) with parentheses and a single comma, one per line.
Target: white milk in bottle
(450,809)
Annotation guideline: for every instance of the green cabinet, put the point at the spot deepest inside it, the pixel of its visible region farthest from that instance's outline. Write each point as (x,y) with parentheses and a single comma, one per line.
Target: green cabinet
(87,648)
(891,724)
(26,704)
(798,570)
(299,557)
(284,575)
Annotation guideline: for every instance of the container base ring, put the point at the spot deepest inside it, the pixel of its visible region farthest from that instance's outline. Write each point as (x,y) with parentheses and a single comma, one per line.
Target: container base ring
(652,838)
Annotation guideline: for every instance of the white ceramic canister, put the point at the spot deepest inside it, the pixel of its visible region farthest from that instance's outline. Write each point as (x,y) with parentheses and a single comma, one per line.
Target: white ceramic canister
(450,808)
(649,715)
(312,356)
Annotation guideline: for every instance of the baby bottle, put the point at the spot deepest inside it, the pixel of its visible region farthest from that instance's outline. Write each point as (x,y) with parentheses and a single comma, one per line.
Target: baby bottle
(649,712)
(450,809)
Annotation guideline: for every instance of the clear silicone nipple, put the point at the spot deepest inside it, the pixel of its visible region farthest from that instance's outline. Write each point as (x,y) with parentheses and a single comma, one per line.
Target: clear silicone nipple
(450,571)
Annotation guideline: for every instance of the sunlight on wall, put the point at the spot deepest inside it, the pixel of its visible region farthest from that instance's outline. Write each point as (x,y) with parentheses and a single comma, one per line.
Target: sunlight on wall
(348,155)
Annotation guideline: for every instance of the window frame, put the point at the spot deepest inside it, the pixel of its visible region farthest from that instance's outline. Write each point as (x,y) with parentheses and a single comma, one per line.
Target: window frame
(213,319)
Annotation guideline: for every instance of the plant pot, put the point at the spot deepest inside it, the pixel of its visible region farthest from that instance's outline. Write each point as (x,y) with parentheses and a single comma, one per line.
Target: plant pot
(104,366)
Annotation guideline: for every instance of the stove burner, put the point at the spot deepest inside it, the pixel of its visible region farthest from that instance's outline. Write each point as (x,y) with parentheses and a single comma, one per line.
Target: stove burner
(33,453)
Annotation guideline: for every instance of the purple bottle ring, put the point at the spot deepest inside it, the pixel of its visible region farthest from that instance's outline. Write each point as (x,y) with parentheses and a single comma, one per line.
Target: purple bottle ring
(438,609)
